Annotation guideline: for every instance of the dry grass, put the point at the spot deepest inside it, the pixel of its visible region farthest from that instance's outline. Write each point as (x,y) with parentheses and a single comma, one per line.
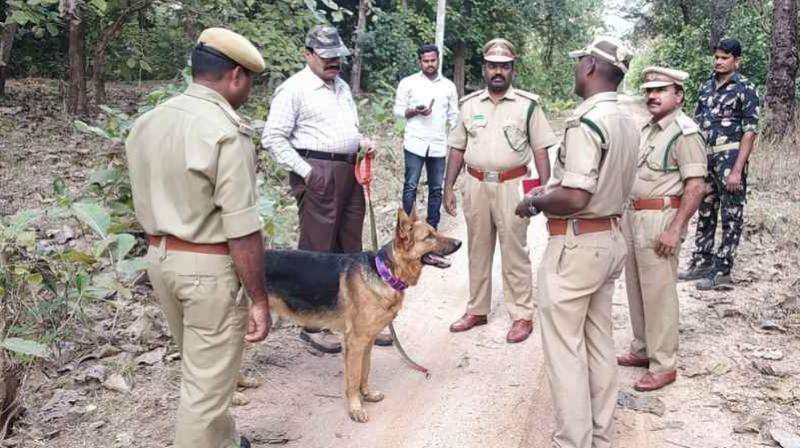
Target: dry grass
(774,196)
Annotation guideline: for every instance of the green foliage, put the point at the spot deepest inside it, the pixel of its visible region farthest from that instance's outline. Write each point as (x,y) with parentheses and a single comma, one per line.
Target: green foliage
(389,47)
(681,41)
(41,17)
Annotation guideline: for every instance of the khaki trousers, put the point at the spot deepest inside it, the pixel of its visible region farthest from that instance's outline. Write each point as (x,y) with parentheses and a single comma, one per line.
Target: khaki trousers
(652,295)
(489,213)
(207,311)
(576,282)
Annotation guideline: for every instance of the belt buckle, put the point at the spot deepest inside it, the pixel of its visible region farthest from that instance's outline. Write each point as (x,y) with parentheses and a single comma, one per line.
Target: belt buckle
(491,176)
(575,227)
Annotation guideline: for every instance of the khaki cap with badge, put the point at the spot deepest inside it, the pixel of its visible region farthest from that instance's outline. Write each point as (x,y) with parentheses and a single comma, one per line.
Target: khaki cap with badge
(499,50)
(236,48)
(326,42)
(609,49)
(654,77)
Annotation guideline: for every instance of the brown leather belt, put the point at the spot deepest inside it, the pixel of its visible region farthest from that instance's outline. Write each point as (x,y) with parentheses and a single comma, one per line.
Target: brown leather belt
(497,176)
(580,225)
(177,244)
(657,203)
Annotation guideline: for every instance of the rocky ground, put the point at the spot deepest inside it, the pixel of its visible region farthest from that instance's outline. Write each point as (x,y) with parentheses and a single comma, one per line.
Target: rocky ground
(113,380)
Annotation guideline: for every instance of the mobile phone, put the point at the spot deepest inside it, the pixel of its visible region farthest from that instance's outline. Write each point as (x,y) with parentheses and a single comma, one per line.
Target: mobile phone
(421,107)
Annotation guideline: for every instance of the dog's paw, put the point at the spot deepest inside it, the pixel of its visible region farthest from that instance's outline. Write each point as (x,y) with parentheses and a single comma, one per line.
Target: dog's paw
(359,415)
(248,382)
(372,397)
(239,399)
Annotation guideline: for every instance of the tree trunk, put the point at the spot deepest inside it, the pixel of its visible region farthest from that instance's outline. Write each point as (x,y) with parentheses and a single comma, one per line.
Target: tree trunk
(190,25)
(6,42)
(459,69)
(76,36)
(783,62)
(361,26)
(720,13)
(99,52)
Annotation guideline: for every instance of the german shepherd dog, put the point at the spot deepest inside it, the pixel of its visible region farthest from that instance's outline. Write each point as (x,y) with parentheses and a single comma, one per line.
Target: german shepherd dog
(356,294)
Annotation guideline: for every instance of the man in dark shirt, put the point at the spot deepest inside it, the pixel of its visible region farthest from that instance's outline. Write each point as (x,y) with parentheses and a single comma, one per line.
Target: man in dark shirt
(727,112)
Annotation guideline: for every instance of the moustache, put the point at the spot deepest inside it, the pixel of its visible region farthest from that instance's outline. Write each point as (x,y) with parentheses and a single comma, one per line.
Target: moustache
(332,67)
(653,103)
(498,78)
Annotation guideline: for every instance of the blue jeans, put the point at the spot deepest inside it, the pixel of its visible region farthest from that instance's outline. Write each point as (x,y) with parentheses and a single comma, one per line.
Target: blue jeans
(435,169)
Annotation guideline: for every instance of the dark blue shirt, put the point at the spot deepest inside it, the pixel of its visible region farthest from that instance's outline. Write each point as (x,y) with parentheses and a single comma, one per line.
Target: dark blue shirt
(726,112)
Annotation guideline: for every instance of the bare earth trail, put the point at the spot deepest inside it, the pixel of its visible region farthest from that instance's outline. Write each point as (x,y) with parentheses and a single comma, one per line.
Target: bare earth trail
(482,392)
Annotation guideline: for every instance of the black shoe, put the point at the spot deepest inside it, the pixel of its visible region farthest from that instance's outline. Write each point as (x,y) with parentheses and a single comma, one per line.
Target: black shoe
(717,281)
(323,341)
(384,339)
(696,271)
(244,443)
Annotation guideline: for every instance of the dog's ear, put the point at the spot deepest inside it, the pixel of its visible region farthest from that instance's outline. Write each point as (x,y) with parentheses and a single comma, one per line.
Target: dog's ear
(404,226)
(414,216)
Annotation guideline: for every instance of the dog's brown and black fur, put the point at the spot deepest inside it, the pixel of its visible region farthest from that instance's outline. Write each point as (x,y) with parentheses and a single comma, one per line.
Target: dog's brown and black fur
(345,293)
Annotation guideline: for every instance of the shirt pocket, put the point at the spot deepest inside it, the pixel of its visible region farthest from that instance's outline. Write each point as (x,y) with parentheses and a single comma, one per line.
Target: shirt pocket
(648,166)
(515,135)
(476,124)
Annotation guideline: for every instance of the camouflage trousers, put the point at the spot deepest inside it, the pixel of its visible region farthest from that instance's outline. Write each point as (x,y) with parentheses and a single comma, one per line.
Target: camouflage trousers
(729,205)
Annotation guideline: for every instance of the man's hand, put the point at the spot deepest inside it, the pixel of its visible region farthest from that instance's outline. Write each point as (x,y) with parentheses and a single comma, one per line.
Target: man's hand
(523,209)
(367,145)
(425,111)
(450,201)
(733,181)
(259,323)
(668,242)
(314,182)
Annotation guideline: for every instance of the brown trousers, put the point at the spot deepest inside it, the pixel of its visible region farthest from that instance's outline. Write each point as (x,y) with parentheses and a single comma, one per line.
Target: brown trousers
(331,220)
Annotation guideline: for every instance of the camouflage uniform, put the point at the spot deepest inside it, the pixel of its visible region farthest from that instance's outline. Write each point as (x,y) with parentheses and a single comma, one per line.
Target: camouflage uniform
(725,113)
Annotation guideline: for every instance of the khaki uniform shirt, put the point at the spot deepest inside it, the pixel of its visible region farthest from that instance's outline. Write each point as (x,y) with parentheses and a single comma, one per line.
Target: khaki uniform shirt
(672,151)
(192,169)
(605,170)
(495,136)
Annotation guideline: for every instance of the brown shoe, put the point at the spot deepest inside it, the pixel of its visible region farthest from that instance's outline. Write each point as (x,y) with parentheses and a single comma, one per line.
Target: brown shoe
(466,322)
(520,330)
(654,381)
(631,360)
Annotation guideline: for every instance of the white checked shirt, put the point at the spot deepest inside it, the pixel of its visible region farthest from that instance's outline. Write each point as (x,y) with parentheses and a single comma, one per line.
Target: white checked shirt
(427,135)
(306,113)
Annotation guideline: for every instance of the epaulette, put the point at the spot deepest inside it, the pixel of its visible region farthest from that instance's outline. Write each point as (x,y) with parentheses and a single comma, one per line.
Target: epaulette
(687,125)
(470,96)
(531,96)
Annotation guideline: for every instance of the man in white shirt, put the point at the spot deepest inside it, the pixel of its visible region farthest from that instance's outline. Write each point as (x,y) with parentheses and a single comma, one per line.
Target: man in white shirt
(429,103)
(312,131)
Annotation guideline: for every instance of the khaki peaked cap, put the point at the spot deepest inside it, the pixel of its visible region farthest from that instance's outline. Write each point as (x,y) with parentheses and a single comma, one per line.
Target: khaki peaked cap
(499,50)
(653,77)
(234,46)
(608,49)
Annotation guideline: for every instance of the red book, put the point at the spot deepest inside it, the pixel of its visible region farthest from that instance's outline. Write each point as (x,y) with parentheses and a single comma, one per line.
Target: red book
(530,184)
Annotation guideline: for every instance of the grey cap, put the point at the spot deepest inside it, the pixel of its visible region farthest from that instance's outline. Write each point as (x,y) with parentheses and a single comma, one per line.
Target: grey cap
(326,42)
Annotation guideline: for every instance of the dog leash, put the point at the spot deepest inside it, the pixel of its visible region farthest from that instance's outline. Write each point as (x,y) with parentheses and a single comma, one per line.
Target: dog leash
(364,177)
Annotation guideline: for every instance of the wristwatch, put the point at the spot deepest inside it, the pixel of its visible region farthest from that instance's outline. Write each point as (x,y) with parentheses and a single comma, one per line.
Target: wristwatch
(532,209)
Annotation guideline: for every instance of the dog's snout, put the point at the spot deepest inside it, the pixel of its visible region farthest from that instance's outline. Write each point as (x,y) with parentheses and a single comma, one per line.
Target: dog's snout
(456,244)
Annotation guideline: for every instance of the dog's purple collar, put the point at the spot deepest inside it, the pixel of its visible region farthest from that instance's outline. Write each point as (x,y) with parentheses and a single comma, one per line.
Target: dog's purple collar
(386,273)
